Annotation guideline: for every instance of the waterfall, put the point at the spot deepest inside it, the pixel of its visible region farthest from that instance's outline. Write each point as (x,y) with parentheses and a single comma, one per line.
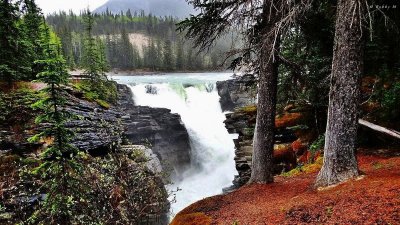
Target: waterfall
(212,150)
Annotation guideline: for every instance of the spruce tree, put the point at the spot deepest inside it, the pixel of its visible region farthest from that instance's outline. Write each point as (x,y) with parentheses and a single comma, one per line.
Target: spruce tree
(340,163)
(14,64)
(180,62)
(103,63)
(126,51)
(168,56)
(33,25)
(59,168)
(92,64)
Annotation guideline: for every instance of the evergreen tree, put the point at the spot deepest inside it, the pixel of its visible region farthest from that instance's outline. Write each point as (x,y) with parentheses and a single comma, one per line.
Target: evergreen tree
(158,60)
(14,64)
(126,51)
(179,55)
(33,24)
(168,60)
(189,60)
(340,163)
(151,58)
(138,62)
(59,168)
(103,63)
(91,63)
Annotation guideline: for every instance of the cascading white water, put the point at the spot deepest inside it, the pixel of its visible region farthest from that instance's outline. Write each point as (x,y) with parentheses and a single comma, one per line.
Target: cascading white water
(212,152)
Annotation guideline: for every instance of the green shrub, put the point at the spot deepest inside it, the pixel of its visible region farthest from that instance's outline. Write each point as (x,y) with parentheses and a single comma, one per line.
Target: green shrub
(317,145)
(103,92)
(391,101)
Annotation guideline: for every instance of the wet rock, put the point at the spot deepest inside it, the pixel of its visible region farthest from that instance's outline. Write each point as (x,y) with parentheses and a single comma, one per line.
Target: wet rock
(238,92)
(150,89)
(242,122)
(158,128)
(99,131)
(151,159)
(96,130)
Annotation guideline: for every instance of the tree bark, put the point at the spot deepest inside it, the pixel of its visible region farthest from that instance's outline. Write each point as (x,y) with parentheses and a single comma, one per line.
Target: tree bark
(263,142)
(340,162)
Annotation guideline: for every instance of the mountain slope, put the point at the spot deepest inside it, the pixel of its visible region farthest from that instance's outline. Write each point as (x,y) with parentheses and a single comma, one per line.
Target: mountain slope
(176,8)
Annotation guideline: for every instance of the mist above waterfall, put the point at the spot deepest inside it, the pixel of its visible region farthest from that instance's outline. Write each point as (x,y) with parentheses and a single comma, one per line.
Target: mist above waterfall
(196,100)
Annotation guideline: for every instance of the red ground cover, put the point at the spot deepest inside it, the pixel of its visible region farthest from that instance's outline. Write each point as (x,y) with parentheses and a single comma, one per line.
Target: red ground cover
(373,199)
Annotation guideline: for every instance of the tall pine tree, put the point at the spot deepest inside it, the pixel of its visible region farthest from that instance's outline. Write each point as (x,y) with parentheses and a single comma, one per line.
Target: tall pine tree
(340,162)
(59,166)
(14,61)
(91,58)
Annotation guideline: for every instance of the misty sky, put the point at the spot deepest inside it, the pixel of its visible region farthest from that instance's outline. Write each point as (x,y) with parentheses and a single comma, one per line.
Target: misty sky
(49,6)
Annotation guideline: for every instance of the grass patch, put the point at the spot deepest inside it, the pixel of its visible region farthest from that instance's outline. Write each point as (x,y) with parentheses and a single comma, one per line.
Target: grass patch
(305,169)
(377,165)
(104,93)
(248,109)
(103,103)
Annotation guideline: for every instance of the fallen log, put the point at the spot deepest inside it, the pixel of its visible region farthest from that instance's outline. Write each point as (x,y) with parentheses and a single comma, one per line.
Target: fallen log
(378,128)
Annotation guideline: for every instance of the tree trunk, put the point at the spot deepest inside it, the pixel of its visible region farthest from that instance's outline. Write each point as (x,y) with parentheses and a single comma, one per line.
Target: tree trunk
(263,142)
(340,162)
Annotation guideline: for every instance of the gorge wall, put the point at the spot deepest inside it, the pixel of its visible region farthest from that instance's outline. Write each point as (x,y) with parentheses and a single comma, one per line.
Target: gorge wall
(238,92)
(158,128)
(99,130)
(135,134)
(291,140)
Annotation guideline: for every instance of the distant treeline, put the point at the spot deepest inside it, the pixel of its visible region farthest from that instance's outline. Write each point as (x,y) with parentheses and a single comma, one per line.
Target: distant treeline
(163,48)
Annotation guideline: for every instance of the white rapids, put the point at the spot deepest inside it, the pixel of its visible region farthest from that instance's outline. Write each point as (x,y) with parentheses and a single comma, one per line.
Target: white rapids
(195,98)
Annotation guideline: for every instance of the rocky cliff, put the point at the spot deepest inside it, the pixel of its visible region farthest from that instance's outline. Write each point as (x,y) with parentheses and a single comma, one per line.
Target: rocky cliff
(100,131)
(159,128)
(97,129)
(290,142)
(237,92)
(242,122)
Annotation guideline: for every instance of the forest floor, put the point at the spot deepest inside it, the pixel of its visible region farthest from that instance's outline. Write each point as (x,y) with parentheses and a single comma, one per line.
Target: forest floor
(373,198)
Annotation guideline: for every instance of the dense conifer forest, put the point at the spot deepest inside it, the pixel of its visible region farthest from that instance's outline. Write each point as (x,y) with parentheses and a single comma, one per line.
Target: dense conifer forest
(161,48)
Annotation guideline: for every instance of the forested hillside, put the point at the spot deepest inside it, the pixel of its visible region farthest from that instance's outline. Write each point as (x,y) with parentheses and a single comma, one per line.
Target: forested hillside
(134,40)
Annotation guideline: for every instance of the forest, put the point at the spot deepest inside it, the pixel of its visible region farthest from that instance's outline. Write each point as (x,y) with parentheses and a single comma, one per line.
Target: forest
(163,48)
(317,132)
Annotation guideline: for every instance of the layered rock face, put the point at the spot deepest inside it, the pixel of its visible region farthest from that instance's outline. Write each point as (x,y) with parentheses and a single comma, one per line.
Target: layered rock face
(238,95)
(242,122)
(237,92)
(156,127)
(99,130)
(96,129)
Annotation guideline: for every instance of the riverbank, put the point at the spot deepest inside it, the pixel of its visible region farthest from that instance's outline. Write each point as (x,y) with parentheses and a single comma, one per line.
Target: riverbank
(372,199)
